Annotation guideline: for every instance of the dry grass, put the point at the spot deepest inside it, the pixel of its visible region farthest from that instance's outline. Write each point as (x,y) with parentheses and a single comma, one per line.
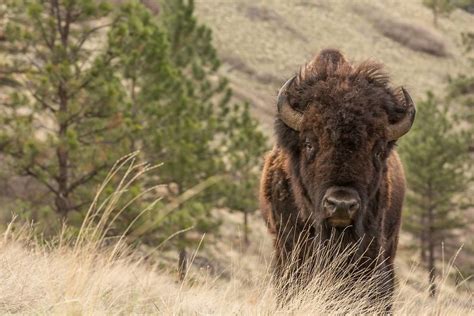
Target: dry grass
(235,63)
(60,280)
(265,14)
(415,37)
(90,274)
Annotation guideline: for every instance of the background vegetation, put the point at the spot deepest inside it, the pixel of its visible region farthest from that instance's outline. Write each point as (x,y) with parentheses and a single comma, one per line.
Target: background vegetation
(190,86)
(94,82)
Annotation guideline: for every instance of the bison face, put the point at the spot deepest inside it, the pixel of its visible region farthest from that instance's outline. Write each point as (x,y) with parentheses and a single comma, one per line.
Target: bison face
(338,137)
(339,163)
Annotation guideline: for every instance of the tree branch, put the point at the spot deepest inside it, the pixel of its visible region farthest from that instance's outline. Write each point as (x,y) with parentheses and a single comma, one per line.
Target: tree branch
(87,34)
(84,179)
(31,173)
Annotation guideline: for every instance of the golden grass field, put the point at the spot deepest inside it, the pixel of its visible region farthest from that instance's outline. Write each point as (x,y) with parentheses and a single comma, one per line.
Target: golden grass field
(93,274)
(91,279)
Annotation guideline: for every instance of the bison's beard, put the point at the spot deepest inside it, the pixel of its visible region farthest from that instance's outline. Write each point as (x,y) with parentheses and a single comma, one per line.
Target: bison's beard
(349,234)
(311,217)
(320,228)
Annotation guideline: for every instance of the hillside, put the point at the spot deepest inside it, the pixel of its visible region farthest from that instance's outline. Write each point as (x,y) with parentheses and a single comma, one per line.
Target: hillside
(261,44)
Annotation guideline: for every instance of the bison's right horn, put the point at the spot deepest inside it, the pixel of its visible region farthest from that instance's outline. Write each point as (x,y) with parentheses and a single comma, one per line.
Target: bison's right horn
(397,130)
(291,117)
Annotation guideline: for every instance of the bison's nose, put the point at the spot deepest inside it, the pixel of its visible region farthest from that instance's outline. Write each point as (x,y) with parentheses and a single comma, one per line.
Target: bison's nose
(341,204)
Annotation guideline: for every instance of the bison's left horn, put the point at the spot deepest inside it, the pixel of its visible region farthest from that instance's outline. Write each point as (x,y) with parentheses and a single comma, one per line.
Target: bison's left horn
(288,115)
(397,130)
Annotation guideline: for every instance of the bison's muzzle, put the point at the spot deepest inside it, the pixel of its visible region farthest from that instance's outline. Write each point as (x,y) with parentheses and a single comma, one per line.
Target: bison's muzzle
(341,205)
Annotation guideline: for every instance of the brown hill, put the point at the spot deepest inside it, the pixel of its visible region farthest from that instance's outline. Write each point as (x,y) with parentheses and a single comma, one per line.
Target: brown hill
(262,43)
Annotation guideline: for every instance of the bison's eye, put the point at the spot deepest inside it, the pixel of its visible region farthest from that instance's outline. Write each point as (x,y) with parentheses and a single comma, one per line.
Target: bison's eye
(309,149)
(378,151)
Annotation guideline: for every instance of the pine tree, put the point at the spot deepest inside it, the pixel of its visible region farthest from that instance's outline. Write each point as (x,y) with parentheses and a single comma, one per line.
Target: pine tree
(62,126)
(149,79)
(461,87)
(437,164)
(122,81)
(173,108)
(184,119)
(245,149)
(193,137)
(461,99)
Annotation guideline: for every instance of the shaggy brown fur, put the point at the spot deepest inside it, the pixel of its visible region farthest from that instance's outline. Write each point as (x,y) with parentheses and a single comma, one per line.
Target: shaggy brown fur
(346,111)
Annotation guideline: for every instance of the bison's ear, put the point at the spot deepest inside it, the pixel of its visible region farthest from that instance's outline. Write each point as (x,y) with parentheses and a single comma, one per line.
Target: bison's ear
(400,128)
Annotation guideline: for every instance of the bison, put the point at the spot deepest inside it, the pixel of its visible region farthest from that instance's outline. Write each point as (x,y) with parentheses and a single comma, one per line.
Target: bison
(334,168)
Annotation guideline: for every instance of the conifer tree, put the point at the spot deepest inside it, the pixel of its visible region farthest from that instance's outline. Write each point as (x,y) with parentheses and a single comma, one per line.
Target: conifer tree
(182,113)
(197,125)
(461,87)
(61,126)
(245,149)
(111,82)
(461,100)
(437,167)
(149,79)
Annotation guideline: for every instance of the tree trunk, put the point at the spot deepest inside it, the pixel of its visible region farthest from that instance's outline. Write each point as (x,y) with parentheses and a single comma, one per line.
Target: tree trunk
(182,264)
(62,202)
(246,230)
(182,257)
(431,255)
(432,270)
(422,248)
(133,110)
(423,243)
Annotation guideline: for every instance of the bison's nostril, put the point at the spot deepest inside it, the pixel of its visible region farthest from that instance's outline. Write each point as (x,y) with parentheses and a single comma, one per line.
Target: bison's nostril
(329,203)
(341,204)
(354,206)
(330,206)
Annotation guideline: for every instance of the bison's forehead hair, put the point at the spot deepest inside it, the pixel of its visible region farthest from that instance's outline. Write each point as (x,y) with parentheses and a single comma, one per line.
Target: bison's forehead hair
(344,94)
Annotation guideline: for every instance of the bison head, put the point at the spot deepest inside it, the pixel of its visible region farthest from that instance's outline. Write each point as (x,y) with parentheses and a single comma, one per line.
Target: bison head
(338,123)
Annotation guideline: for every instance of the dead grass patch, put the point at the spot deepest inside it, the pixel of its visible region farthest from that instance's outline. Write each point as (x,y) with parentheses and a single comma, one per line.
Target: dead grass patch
(60,280)
(238,64)
(91,274)
(264,14)
(414,37)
